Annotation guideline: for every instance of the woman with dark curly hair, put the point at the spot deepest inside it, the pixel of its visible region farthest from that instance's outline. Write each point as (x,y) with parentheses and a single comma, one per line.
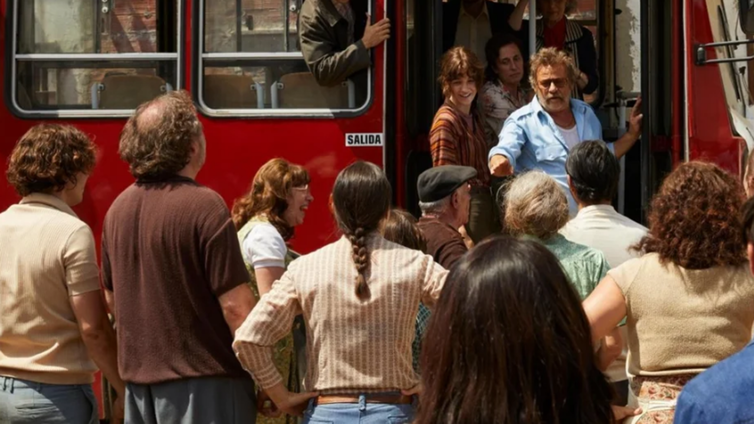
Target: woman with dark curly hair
(688,300)
(54,331)
(265,219)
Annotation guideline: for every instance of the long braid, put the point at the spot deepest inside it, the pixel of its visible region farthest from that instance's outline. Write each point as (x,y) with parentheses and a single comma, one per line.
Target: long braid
(361,260)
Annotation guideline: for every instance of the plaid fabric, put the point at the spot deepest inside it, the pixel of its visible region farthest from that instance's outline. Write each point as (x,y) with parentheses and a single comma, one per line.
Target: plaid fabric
(422,319)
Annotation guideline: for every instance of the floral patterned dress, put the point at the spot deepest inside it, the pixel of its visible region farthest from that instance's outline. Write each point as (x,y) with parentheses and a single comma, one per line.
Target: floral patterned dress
(284,353)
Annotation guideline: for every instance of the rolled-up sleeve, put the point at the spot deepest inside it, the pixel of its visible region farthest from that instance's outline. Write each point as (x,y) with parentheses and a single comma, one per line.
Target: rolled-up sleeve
(268,322)
(512,140)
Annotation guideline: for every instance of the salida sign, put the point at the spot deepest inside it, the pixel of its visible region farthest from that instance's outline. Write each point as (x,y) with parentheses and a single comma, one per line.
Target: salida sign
(364,139)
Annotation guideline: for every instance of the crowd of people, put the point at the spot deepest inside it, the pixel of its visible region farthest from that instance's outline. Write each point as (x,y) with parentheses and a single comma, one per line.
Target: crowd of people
(520,295)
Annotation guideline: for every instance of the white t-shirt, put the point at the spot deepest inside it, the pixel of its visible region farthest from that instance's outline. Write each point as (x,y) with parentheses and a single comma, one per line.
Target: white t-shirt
(264,247)
(603,228)
(570,135)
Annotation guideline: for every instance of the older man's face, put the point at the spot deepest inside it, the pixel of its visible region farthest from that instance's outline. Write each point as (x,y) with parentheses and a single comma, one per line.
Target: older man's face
(553,88)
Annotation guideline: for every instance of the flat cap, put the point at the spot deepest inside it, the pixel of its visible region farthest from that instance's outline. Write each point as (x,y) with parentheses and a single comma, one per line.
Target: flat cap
(441,181)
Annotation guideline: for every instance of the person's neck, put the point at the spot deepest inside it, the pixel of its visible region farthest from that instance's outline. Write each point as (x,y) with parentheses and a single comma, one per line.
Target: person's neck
(465,109)
(511,88)
(474,9)
(446,217)
(551,24)
(586,205)
(189,171)
(563,118)
(65,196)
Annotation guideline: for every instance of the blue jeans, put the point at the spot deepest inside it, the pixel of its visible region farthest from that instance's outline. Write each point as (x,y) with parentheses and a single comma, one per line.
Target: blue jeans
(23,401)
(359,413)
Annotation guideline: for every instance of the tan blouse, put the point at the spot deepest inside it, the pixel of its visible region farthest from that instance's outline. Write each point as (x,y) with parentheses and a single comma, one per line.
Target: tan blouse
(683,321)
(353,346)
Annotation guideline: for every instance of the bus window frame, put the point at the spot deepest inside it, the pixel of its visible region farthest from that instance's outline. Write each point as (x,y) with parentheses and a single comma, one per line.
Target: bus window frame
(247,59)
(12,58)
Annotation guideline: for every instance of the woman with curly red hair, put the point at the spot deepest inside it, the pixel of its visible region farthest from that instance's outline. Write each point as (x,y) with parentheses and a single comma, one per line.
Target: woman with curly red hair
(265,219)
(688,299)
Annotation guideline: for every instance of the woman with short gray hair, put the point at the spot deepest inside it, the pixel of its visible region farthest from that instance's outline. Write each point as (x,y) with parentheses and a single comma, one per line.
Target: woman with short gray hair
(536,207)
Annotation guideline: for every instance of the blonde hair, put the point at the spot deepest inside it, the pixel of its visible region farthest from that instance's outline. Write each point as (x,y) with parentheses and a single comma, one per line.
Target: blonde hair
(535,205)
(552,57)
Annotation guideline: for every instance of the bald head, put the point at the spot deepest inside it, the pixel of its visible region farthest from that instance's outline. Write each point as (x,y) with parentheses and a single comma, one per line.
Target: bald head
(162,137)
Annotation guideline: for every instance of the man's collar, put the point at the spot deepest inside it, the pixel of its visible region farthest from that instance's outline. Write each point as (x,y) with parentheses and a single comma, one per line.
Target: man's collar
(328,10)
(48,200)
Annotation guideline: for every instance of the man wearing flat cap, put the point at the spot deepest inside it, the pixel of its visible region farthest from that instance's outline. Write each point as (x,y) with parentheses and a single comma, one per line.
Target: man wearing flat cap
(444,197)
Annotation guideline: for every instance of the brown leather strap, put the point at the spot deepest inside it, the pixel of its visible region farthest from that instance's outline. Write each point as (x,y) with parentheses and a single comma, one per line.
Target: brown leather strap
(390,399)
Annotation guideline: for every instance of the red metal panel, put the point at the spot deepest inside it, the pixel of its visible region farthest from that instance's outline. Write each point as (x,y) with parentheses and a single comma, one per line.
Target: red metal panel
(709,128)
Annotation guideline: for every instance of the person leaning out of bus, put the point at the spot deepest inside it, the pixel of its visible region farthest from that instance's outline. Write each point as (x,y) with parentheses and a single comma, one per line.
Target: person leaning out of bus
(265,219)
(688,300)
(53,324)
(541,134)
(457,136)
(335,38)
(359,296)
(502,94)
(555,30)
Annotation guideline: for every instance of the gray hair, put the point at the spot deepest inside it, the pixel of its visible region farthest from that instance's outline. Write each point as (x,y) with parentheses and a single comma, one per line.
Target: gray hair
(535,205)
(437,206)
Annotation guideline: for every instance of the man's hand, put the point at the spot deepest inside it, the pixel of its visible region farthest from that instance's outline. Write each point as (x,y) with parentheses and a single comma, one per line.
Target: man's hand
(634,121)
(500,166)
(377,33)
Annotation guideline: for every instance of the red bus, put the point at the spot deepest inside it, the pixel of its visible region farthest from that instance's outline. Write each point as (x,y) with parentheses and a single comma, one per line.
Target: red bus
(91,62)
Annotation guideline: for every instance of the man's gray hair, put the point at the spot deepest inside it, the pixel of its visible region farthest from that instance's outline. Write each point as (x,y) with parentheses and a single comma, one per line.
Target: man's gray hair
(438,206)
(535,205)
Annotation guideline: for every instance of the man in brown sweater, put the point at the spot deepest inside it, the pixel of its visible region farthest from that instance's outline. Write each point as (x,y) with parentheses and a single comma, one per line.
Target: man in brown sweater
(444,198)
(175,277)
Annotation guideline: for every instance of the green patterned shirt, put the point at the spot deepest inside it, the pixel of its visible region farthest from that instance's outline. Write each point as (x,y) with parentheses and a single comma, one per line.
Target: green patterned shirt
(583,265)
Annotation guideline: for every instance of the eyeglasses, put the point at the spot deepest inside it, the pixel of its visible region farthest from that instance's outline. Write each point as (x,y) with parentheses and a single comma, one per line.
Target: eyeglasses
(559,83)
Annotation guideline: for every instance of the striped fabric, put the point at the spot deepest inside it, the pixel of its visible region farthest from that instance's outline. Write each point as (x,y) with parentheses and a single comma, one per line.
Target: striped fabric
(353,346)
(458,139)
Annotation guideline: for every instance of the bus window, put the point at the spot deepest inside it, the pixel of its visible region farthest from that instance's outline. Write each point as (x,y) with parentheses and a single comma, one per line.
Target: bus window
(251,64)
(92,58)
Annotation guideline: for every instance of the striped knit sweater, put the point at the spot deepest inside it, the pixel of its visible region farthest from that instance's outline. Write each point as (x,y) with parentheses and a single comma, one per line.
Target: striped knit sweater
(353,346)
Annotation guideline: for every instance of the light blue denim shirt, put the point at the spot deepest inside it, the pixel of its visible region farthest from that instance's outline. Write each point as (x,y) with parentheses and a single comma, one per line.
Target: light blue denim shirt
(531,140)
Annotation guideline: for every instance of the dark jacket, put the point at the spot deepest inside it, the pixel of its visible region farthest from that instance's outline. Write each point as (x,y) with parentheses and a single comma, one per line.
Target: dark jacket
(499,14)
(323,35)
(579,43)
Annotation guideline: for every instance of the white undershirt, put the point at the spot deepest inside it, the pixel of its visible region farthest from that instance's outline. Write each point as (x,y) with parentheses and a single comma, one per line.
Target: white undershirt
(571,135)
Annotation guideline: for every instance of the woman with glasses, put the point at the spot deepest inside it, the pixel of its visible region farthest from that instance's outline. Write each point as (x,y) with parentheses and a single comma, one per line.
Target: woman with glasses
(265,219)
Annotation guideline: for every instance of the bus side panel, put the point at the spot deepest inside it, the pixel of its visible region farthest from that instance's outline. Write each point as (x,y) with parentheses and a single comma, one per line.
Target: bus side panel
(709,130)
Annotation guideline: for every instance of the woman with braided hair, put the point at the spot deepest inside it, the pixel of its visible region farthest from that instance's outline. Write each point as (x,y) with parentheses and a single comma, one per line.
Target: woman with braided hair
(359,297)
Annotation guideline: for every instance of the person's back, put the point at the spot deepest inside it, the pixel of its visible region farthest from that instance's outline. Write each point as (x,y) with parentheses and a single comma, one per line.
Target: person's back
(172,263)
(583,265)
(368,341)
(167,269)
(53,323)
(722,394)
(528,362)
(359,297)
